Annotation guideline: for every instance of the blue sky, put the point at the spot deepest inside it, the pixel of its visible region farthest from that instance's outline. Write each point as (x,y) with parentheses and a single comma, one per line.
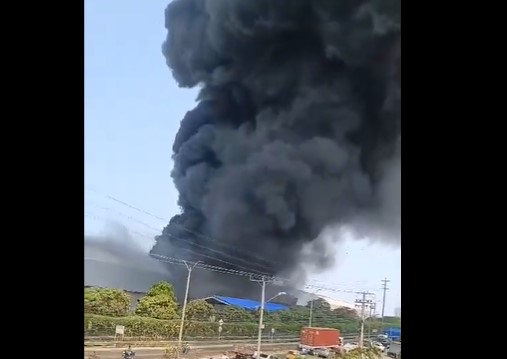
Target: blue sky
(132,112)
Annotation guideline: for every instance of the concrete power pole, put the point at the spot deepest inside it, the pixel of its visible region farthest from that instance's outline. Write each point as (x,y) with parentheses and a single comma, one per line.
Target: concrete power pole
(384,288)
(311,309)
(364,303)
(372,315)
(182,323)
(263,283)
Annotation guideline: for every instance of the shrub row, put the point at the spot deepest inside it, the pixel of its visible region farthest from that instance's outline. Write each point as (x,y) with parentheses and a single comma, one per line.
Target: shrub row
(135,326)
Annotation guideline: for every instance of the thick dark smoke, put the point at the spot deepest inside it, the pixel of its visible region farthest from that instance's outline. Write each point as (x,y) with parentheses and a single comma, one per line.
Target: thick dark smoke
(297,128)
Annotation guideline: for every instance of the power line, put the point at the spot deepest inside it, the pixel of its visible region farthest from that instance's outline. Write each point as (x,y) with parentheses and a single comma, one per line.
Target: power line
(252,257)
(218,269)
(194,244)
(128,205)
(251,275)
(250,261)
(248,271)
(203,236)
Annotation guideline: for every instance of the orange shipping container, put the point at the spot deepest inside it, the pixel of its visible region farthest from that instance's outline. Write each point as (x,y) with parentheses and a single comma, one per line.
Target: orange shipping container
(320,337)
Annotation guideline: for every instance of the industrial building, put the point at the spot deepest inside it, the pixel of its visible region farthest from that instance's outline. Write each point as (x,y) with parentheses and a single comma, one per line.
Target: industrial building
(114,265)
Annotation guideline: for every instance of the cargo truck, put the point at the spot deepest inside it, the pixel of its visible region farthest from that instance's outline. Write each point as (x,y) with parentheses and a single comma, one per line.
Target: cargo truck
(319,338)
(393,334)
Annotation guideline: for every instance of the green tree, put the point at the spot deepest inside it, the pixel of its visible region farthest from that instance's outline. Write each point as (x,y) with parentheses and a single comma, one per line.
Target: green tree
(106,301)
(199,310)
(160,302)
(162,288)
(322,314)
(298,315)
(392,322)
(232,314)
(320,305)
(345,313)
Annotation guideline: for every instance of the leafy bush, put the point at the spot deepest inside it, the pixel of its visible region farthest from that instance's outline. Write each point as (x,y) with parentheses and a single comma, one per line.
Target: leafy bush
(363,353)
(199,310)
(97,325)
(157,314)
(157,307)
(106,301)
(136,326)
(159,303)
(233,314)
(165,289)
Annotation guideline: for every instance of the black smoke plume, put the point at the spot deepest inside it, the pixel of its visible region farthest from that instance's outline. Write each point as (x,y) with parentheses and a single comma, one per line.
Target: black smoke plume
(297,128)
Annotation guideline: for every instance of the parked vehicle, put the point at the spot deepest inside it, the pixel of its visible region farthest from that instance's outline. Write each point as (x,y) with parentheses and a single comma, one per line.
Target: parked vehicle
(317,338)
(394,334)
(267,356)
(294,354)
(385,342)
(323,353)
(379,346)
(350,346)
(394,351)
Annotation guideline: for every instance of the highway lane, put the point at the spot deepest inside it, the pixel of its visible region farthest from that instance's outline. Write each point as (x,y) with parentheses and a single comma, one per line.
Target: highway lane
(204,351)
(197,352)
(90,343)
(158,353)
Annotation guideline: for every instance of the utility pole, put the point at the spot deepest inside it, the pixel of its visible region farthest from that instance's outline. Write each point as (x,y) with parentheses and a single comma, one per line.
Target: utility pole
(372,315)
(180,337)
(364,303)
(263,283)
(311,310)
(384,288)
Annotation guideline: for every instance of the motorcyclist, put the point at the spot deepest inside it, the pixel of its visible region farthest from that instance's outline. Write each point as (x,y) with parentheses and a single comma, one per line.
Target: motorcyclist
(186,348)
(129,353)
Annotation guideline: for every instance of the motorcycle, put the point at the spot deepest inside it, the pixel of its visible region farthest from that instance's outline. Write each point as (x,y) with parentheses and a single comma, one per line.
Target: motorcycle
(128,354)
(185,349)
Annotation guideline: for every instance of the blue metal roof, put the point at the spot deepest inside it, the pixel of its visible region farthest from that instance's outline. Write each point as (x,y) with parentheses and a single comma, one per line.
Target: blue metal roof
(249,304)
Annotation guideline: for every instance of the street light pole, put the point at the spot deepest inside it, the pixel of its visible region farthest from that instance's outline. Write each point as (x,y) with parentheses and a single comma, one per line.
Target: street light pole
(263,283)
(180,336)
(261,317)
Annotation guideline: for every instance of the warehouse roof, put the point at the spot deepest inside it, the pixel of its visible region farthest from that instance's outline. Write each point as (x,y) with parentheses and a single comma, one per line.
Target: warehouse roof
(247,304)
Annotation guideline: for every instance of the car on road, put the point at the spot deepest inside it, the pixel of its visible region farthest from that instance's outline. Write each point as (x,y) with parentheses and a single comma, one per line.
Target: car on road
(308,351)
(323,353)
(385,342)
(350,346)
(295,354)
(379,346)
(267,356)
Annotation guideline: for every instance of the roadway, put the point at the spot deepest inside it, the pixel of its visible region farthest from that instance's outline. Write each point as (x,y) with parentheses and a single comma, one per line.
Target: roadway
(147,353)
(202,351)
(197,352)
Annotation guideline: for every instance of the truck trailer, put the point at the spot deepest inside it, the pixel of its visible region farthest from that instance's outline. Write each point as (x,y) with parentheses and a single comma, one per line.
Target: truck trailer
(316,338)
(393,334)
